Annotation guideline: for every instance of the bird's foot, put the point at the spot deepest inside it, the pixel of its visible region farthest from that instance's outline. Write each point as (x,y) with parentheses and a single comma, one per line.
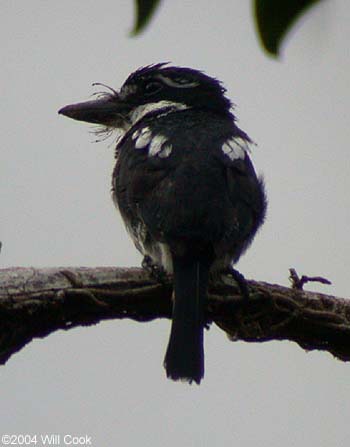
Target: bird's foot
(155,271)
(240,280)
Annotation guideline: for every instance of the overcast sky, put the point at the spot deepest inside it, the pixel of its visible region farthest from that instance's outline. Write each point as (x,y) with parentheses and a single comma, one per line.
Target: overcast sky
(108,381)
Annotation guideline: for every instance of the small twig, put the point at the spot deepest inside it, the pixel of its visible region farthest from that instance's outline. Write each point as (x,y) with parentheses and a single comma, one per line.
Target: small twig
(298,282)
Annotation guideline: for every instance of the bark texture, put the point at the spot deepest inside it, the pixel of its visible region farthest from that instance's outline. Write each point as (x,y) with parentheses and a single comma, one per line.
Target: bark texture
(35,302)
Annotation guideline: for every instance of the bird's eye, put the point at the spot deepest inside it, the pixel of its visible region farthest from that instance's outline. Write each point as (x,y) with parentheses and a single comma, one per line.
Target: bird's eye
(153,87)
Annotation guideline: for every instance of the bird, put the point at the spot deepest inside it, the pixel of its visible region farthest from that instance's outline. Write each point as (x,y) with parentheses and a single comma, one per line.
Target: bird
(185,186)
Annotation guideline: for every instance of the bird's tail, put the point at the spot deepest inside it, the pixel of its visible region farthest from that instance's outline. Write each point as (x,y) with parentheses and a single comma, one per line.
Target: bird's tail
(184,359)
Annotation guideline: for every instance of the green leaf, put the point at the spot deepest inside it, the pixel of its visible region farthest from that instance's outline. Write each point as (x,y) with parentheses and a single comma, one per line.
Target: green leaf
(274,18)
(145,10)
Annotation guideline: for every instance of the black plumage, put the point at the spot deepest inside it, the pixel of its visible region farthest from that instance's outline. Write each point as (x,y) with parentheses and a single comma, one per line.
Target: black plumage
(185,187)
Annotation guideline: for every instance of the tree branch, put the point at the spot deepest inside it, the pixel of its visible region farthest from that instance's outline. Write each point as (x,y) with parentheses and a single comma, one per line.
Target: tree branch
(36,302)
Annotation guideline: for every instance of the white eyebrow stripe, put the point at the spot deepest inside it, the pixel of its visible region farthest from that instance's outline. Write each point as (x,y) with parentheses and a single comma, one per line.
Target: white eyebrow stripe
(172,83)
(139,112)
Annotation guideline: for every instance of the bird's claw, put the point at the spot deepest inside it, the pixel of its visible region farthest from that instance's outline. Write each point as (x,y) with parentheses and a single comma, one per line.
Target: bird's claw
(155,271)
(240,281)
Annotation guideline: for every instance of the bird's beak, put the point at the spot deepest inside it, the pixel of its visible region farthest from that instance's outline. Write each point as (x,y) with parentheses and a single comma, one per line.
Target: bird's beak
(109,110)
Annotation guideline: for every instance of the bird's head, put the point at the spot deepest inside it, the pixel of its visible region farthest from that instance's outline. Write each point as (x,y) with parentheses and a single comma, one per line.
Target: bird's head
(152,88)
